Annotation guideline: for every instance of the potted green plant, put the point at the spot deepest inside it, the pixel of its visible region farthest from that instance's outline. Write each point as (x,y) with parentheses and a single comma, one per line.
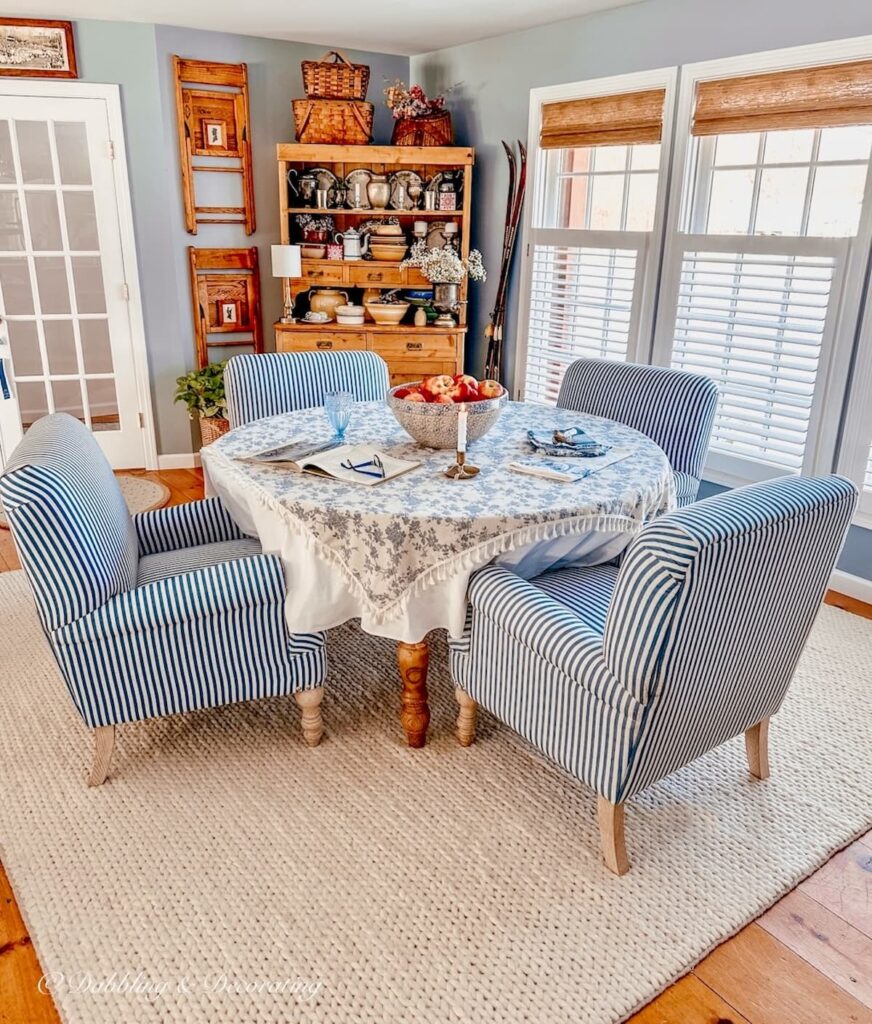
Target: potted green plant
(202,391)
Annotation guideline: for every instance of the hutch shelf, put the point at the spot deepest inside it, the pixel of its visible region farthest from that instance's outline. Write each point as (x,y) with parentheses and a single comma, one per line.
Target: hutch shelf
(410,352)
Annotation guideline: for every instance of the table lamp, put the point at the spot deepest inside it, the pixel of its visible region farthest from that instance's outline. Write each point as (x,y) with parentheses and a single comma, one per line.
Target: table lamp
(287,264)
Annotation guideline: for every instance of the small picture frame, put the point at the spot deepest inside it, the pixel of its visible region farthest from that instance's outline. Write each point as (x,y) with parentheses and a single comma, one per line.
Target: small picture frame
(36,48)
(228,313)
(214,135)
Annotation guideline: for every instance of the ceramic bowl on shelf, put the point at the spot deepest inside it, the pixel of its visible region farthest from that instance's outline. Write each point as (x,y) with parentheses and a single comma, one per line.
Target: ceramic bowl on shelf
(384,253)
(313,251)
(387,312)
(350,315)
(435,426)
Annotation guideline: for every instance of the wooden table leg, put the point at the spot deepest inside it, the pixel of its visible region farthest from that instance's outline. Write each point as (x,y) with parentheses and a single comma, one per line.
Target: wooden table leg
(415,715)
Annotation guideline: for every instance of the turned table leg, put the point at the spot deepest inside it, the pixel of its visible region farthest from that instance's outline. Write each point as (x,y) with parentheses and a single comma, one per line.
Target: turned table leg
(415,715)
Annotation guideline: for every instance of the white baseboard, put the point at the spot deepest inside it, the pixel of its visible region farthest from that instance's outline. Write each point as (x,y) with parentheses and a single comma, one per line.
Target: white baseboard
(853,586)
(183,460)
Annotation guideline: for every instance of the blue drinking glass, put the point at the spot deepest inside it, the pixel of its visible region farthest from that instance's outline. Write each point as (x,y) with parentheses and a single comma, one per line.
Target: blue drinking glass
(338,406)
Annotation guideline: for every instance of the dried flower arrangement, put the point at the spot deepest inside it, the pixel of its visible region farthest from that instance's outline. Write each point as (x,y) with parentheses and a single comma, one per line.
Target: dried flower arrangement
(444,265)
(411,101)
(308,222)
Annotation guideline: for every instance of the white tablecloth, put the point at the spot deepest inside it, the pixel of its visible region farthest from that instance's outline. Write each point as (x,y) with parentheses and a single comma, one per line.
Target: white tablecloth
(399,555)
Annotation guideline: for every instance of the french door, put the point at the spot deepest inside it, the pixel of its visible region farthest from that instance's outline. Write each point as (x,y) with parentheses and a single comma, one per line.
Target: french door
(66,333)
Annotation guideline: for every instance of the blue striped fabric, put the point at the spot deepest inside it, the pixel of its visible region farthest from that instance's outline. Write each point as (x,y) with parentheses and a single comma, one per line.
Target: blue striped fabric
(173,563)
(184,526)
(258,386)
(188,637)
(674,408)
(710,610)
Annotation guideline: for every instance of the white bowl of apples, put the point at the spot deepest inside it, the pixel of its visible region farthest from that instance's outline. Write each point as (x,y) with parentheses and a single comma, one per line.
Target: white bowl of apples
(427,409)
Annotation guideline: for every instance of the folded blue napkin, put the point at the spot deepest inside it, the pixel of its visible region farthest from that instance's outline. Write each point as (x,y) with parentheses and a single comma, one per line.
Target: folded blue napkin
(574,443)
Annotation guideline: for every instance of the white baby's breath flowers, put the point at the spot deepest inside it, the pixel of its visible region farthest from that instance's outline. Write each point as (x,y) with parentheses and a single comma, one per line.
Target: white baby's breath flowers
(444,266)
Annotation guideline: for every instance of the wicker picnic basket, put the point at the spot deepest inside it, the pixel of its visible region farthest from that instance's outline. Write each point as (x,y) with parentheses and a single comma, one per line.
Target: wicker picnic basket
(212,427)
(333,122)
(336,79)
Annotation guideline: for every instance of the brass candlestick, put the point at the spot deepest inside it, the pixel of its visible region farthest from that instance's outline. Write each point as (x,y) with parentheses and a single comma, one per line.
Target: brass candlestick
(460,470)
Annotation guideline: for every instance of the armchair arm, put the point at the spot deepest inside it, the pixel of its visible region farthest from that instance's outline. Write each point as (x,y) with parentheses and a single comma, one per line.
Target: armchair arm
(184,526)
(549,629)
(180,600)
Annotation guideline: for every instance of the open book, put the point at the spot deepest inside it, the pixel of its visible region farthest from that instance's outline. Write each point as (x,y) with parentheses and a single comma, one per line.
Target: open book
(567,470)
(351,463)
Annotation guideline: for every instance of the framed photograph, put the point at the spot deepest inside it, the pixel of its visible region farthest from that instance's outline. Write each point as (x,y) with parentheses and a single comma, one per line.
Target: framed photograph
(229,313)
(30,48)
(215,134)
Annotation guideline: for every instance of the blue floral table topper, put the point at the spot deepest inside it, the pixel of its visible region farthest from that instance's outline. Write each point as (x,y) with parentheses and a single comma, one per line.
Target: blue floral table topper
(421,528)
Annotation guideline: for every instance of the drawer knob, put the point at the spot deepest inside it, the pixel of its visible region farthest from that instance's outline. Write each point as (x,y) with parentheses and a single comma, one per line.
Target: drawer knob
(375,275)
(323,344)
(414,346)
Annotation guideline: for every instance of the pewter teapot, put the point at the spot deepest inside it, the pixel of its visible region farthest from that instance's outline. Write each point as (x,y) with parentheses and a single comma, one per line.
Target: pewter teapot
(354,245)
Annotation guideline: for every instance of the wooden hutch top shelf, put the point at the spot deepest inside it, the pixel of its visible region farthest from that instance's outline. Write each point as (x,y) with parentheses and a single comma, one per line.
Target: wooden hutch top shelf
(396,156)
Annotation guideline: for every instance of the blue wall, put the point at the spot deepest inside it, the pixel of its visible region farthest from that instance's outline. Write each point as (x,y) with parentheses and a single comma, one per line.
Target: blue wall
(497,75)
(138,58)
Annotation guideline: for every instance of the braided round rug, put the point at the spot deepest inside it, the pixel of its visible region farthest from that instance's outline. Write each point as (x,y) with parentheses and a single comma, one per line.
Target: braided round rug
(227,873)
(140,493)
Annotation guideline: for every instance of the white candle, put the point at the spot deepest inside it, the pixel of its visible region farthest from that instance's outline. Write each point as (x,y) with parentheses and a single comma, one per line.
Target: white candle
(462,416)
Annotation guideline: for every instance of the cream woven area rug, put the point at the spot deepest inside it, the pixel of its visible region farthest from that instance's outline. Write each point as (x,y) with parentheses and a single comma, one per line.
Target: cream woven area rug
(226,873)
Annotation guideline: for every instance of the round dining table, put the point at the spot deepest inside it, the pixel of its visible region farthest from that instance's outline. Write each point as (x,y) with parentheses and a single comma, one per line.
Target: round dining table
(398,555)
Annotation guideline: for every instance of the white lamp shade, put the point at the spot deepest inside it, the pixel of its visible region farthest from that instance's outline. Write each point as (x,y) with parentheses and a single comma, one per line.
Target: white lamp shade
(286,261)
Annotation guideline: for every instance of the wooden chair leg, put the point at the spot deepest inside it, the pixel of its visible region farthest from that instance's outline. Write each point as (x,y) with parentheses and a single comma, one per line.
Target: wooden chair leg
(465,717)
(310,705)
(104,744)
(757,749)
(611,826)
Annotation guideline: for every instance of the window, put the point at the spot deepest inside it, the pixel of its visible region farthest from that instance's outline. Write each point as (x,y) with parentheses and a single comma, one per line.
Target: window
(753,265)
(597,192)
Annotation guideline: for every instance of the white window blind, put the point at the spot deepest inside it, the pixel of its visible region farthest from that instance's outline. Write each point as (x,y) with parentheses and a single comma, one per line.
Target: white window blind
(756,323)
(580,305)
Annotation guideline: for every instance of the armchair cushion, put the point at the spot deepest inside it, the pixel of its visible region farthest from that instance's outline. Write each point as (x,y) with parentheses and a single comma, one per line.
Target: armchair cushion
(173,563)
(184,526)
(686,489)
(585,590)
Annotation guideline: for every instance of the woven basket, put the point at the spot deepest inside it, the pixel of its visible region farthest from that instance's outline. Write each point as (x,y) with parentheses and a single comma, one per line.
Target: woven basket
(431,130)
(333,122)
(212,428)
(338,79)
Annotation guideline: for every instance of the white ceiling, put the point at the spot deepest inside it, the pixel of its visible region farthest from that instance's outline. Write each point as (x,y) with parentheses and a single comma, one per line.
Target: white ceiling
(388,26)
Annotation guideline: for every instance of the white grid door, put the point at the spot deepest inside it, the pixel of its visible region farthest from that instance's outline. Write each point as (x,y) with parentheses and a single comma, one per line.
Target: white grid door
(66,335)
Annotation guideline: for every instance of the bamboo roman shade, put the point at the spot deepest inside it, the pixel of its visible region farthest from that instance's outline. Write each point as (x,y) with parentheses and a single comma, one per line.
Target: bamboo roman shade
(820,97)
(603,120)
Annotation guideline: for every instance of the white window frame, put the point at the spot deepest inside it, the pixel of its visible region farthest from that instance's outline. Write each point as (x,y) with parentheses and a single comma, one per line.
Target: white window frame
(857,430)
(648,244)
(837,347)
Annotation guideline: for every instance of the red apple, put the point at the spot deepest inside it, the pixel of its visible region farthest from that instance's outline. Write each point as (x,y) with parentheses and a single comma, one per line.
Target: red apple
(414,396)
(440,384)
(463,392)
(443,400)
(467,379)
(490,389)
(402,392)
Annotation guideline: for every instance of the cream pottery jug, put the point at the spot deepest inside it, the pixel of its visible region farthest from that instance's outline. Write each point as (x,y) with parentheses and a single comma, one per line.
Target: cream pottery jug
(354,245)
(325,300)
(378,192)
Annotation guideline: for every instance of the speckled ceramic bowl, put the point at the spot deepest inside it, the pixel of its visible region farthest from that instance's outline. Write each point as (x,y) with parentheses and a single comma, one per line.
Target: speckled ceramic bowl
(435,426)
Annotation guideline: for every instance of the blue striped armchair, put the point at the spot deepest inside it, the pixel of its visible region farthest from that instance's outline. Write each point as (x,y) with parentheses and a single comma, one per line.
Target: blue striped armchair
(264,385)
(624,674)
(154,614)
(674,408)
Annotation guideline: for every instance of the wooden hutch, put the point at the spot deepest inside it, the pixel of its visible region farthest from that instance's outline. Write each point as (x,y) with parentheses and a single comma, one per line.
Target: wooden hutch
(410,352)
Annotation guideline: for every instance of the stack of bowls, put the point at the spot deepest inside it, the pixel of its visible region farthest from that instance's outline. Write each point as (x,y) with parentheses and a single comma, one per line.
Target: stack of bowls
(350,315)
(387,243)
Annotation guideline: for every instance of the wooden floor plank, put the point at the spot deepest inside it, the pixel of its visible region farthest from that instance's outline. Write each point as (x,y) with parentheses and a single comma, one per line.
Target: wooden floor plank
(848,604)
(688,1001)
(844,886)
(834,947)
(770,984)
(21,1002)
